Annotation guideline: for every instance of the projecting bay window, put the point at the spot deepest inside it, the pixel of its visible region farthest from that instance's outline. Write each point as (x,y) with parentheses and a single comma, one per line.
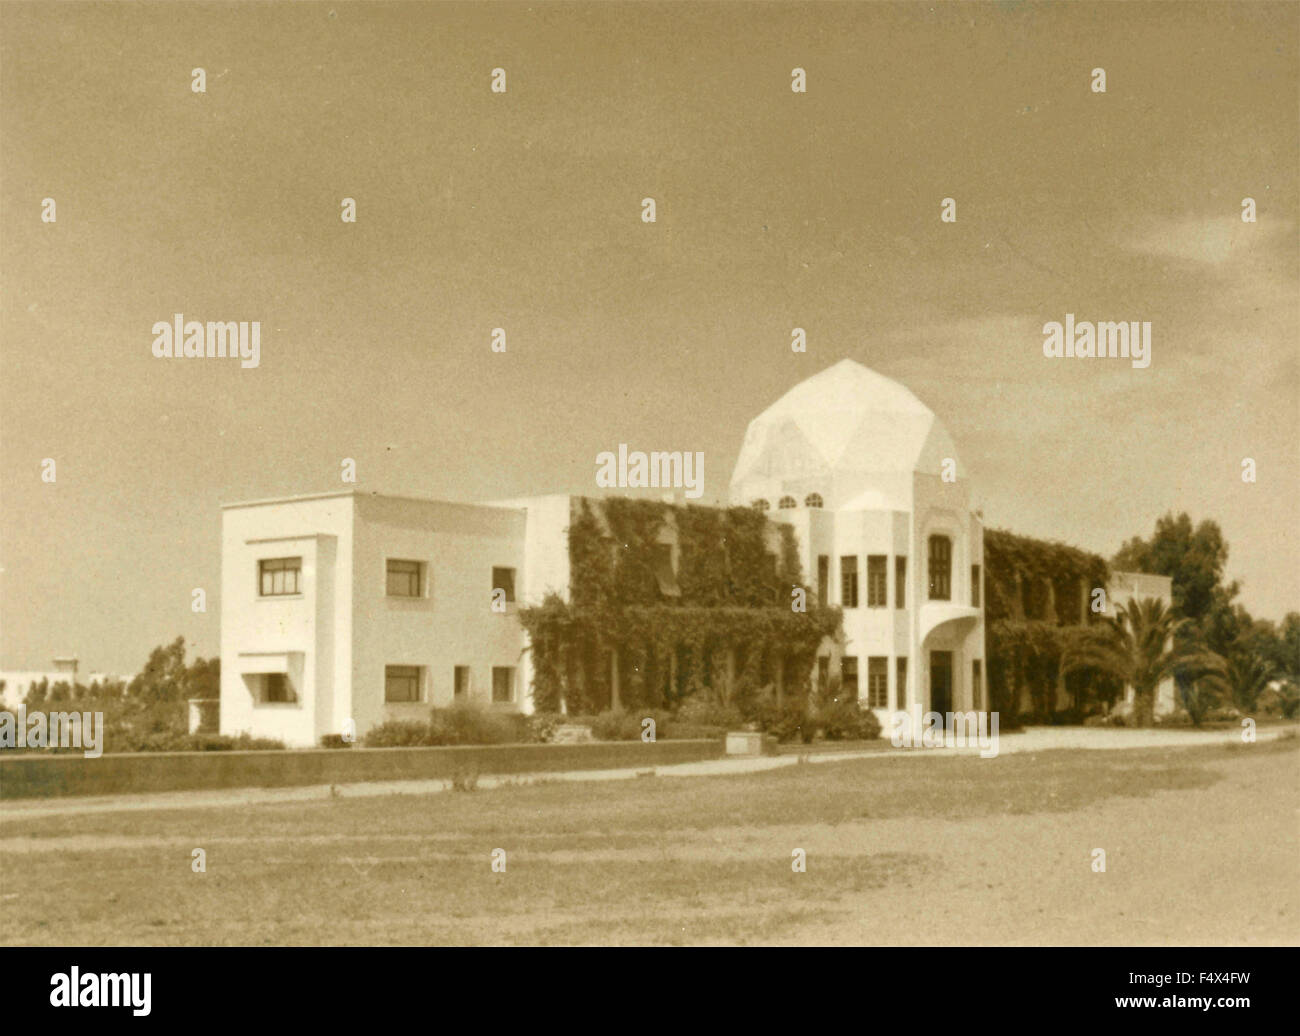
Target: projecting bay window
(877,590)
(279,577)
(877,682)
(940,568)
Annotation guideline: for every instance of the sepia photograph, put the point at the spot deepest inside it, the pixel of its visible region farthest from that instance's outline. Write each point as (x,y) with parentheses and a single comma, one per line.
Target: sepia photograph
(718,475)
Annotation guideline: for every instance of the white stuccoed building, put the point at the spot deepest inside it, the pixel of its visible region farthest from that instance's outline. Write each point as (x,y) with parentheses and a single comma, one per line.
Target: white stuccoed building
(354,606)
(879,500)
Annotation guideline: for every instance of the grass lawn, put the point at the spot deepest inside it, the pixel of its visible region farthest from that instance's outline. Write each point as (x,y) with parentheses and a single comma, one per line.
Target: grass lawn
(1202,847)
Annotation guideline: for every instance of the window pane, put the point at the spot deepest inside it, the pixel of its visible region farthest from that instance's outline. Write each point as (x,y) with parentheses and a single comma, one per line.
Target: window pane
(504,579)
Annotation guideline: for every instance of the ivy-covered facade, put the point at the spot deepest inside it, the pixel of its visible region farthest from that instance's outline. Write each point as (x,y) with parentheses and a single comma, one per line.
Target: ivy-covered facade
(664,602)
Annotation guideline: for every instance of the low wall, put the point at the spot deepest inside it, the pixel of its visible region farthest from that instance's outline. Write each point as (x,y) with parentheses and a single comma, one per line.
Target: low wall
(53,776)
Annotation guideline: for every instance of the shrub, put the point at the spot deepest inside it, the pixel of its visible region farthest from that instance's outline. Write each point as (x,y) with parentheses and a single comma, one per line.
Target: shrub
(540,727)
(847,721)
(622,725)
(399,733)
(699,711)
(334,741)
(788,721)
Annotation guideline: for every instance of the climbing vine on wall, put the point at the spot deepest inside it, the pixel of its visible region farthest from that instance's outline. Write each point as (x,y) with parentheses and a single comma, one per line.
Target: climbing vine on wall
(721,625)
(1037,594)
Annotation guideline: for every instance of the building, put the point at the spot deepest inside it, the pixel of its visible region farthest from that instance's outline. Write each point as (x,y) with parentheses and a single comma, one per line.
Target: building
(879,499)
(357,607)
(1126,587)
(16,684)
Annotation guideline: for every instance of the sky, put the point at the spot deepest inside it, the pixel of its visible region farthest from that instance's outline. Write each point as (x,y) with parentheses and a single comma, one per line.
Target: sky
(522,210)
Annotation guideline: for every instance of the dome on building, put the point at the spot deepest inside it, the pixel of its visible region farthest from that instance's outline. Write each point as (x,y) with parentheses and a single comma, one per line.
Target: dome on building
(844,432)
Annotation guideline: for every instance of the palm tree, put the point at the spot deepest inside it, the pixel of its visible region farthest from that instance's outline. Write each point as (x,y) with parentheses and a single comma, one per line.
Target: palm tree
(1247,676)
(1143,644)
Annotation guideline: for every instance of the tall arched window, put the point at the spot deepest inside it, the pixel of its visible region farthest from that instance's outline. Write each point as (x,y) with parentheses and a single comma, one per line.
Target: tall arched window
(759,505)
(787,503)
(812,500)
(940,568)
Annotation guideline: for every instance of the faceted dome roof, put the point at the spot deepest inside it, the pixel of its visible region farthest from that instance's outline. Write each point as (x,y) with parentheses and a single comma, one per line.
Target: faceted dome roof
(845,424)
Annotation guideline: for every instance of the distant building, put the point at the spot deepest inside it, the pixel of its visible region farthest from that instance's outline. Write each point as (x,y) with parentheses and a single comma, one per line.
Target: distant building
(1136,586)
(16,684)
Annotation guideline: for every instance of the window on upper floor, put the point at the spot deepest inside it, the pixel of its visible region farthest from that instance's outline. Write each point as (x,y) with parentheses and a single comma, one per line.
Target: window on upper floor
(975,586)
(900,581)
(503,579)
(279,577)
(404,578)
(787,503)
(940,568)
(665,576)
(760,504)
(813,500)
(877,589)
(823,579)
(849,581)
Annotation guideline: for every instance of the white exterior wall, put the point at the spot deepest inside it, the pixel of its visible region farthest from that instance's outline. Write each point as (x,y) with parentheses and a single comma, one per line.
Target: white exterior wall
(453,624)
(307,635)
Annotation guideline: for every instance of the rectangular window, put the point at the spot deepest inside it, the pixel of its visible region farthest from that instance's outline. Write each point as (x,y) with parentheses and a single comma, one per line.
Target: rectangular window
(849,581)
(504,579)
(401,683)
(461,683)
(877,590)
(977,685)
(405,578)
(975,586)
(823,579)
(877,682)
(277,688)
(900,582)
(849,678)
(901,681)
(823,672)
(279,577)
(940,568)
(665,576)
(503,683)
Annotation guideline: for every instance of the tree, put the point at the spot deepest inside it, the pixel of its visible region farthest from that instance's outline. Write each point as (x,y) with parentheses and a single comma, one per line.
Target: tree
(1247,677)
(1143,644)
(1194,558)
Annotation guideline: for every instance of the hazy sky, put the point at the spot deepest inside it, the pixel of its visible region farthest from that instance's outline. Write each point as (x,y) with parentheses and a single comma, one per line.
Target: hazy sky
(522,211)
